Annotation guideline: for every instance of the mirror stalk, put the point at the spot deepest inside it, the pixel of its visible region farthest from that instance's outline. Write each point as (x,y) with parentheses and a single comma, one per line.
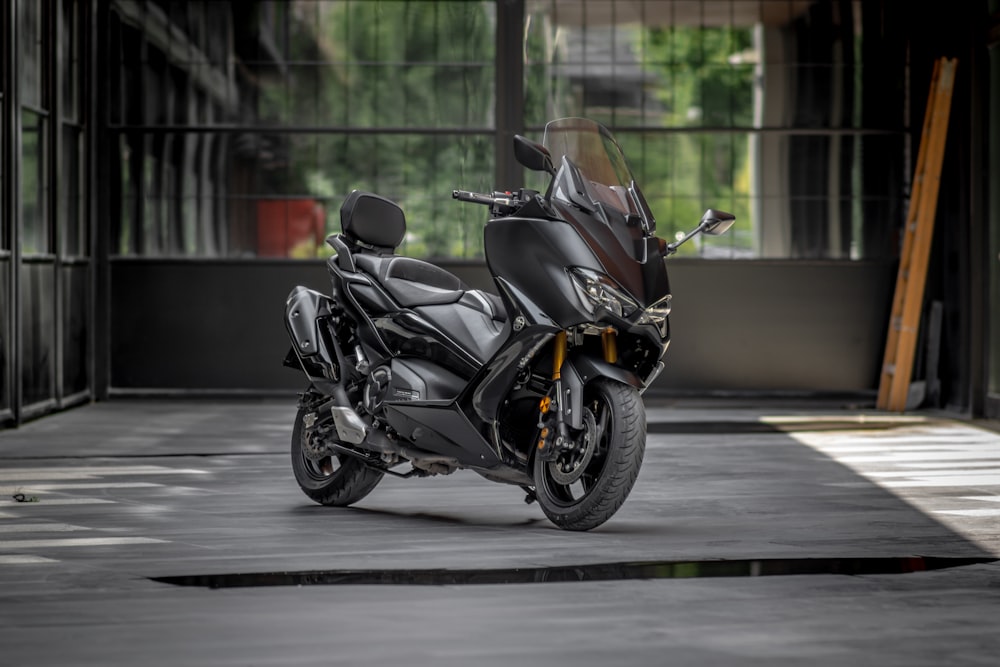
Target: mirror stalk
(672,247)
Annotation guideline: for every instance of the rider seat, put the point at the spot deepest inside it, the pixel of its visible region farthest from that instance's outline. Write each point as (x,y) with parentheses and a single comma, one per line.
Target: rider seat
(376,226)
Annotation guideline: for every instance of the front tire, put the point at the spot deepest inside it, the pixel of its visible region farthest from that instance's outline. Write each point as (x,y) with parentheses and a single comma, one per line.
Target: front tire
(595,493)
(336,480)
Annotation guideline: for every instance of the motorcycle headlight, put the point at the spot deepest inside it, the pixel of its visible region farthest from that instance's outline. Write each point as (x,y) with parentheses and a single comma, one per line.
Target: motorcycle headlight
(597,290)
(657,314)
(658,311)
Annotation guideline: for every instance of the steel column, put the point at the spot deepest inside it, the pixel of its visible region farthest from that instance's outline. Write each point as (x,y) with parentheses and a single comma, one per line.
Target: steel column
(13,202)
(509,79)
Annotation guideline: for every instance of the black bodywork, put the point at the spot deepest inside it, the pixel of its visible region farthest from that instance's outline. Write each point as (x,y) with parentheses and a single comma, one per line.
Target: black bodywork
(433,367)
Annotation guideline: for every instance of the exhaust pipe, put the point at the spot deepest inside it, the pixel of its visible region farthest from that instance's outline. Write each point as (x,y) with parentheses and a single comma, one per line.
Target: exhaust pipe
(350,427)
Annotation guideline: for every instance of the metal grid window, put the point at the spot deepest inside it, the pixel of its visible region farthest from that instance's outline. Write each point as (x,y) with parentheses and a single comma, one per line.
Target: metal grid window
(6,262)
(35,100)
(754,106)
(250,152)
(766,108)
(46,273)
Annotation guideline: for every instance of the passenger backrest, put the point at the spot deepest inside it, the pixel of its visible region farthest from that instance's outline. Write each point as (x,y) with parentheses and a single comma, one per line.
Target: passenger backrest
(372,220)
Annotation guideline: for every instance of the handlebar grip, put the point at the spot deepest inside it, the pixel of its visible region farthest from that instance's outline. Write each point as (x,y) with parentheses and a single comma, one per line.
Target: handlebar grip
(474,197)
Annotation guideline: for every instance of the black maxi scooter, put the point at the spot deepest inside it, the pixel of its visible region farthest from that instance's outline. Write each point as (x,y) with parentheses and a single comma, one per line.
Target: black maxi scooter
(411,373)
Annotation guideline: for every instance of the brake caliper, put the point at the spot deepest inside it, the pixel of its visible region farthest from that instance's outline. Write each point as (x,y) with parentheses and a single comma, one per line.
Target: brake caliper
(547,431)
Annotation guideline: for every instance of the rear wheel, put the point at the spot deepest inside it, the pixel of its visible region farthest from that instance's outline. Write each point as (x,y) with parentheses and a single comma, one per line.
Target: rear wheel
(338,480)
(583,488)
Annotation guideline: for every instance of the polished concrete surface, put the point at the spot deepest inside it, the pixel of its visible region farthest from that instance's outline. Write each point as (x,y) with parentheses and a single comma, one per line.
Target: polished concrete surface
(97,502)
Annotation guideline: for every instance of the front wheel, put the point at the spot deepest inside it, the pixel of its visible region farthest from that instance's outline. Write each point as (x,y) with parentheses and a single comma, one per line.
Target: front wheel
(583,488)
(336,480)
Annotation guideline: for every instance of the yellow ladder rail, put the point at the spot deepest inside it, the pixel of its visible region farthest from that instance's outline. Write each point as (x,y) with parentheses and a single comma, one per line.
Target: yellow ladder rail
(907,303)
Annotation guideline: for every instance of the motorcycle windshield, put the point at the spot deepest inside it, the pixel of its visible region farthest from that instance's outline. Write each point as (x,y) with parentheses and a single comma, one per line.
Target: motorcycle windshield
(596,162)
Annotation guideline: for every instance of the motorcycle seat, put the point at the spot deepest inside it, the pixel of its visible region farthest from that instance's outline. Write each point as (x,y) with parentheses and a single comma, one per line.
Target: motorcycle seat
(412,282)
(375,226)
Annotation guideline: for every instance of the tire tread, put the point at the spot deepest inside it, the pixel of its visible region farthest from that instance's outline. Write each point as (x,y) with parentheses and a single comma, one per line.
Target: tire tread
(346,486)
(620,472)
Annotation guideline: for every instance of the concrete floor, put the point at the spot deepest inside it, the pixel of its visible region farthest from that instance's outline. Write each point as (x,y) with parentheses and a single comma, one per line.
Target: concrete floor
(128,491)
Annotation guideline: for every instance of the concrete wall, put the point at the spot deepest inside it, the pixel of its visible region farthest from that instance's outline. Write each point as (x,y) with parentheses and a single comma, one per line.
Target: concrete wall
(738,326)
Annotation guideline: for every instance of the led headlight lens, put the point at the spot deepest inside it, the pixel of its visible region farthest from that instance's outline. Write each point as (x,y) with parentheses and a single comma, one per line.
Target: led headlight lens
(597,290)
(657,314)
(658,311)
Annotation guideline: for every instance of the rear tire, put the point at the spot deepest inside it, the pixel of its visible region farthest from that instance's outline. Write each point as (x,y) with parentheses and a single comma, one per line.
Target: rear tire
(611,471)
(336,480)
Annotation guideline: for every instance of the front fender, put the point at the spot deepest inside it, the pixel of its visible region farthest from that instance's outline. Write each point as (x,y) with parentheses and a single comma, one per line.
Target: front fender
(590,367)
(577,371)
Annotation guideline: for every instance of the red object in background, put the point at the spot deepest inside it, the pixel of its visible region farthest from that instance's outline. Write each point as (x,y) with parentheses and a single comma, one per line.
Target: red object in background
(289,227)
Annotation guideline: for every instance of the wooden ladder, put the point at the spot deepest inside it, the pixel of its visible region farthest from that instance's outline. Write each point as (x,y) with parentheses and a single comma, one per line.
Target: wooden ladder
(907,303)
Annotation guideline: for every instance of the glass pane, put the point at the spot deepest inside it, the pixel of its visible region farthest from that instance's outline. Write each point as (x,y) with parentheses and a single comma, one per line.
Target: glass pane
(34,184)
(793,196)
(157,186)
(994,211)
(280,194)
(336,66)
(382,64)
(125,80)
(3,53)
(189,146)
(75,374)
(69,59)
(153,86)
(5,335)
(150,206)
(683,174)
(32,36)
(714,92)
(646,67)
(37,332)
(293,205)
(217,34)
(124,234)
(4,229)
(72,214)
(709,64)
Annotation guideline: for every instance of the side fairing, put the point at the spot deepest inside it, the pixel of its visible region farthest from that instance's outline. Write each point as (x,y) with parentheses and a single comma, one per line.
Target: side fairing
(633,259)
(531,256)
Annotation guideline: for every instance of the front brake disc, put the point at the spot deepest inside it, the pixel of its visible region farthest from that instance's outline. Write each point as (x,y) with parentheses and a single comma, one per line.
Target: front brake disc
(569,465)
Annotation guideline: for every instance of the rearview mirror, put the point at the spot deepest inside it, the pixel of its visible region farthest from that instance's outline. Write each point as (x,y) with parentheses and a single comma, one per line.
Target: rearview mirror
(533,156)
(715,223)
(712,223)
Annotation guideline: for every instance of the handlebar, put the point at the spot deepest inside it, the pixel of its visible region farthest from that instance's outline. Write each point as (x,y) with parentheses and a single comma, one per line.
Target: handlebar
(474,197)
(500,203)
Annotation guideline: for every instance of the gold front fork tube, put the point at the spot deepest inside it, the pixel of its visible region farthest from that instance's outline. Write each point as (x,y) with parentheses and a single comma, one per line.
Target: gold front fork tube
(610,345)
(558,355)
